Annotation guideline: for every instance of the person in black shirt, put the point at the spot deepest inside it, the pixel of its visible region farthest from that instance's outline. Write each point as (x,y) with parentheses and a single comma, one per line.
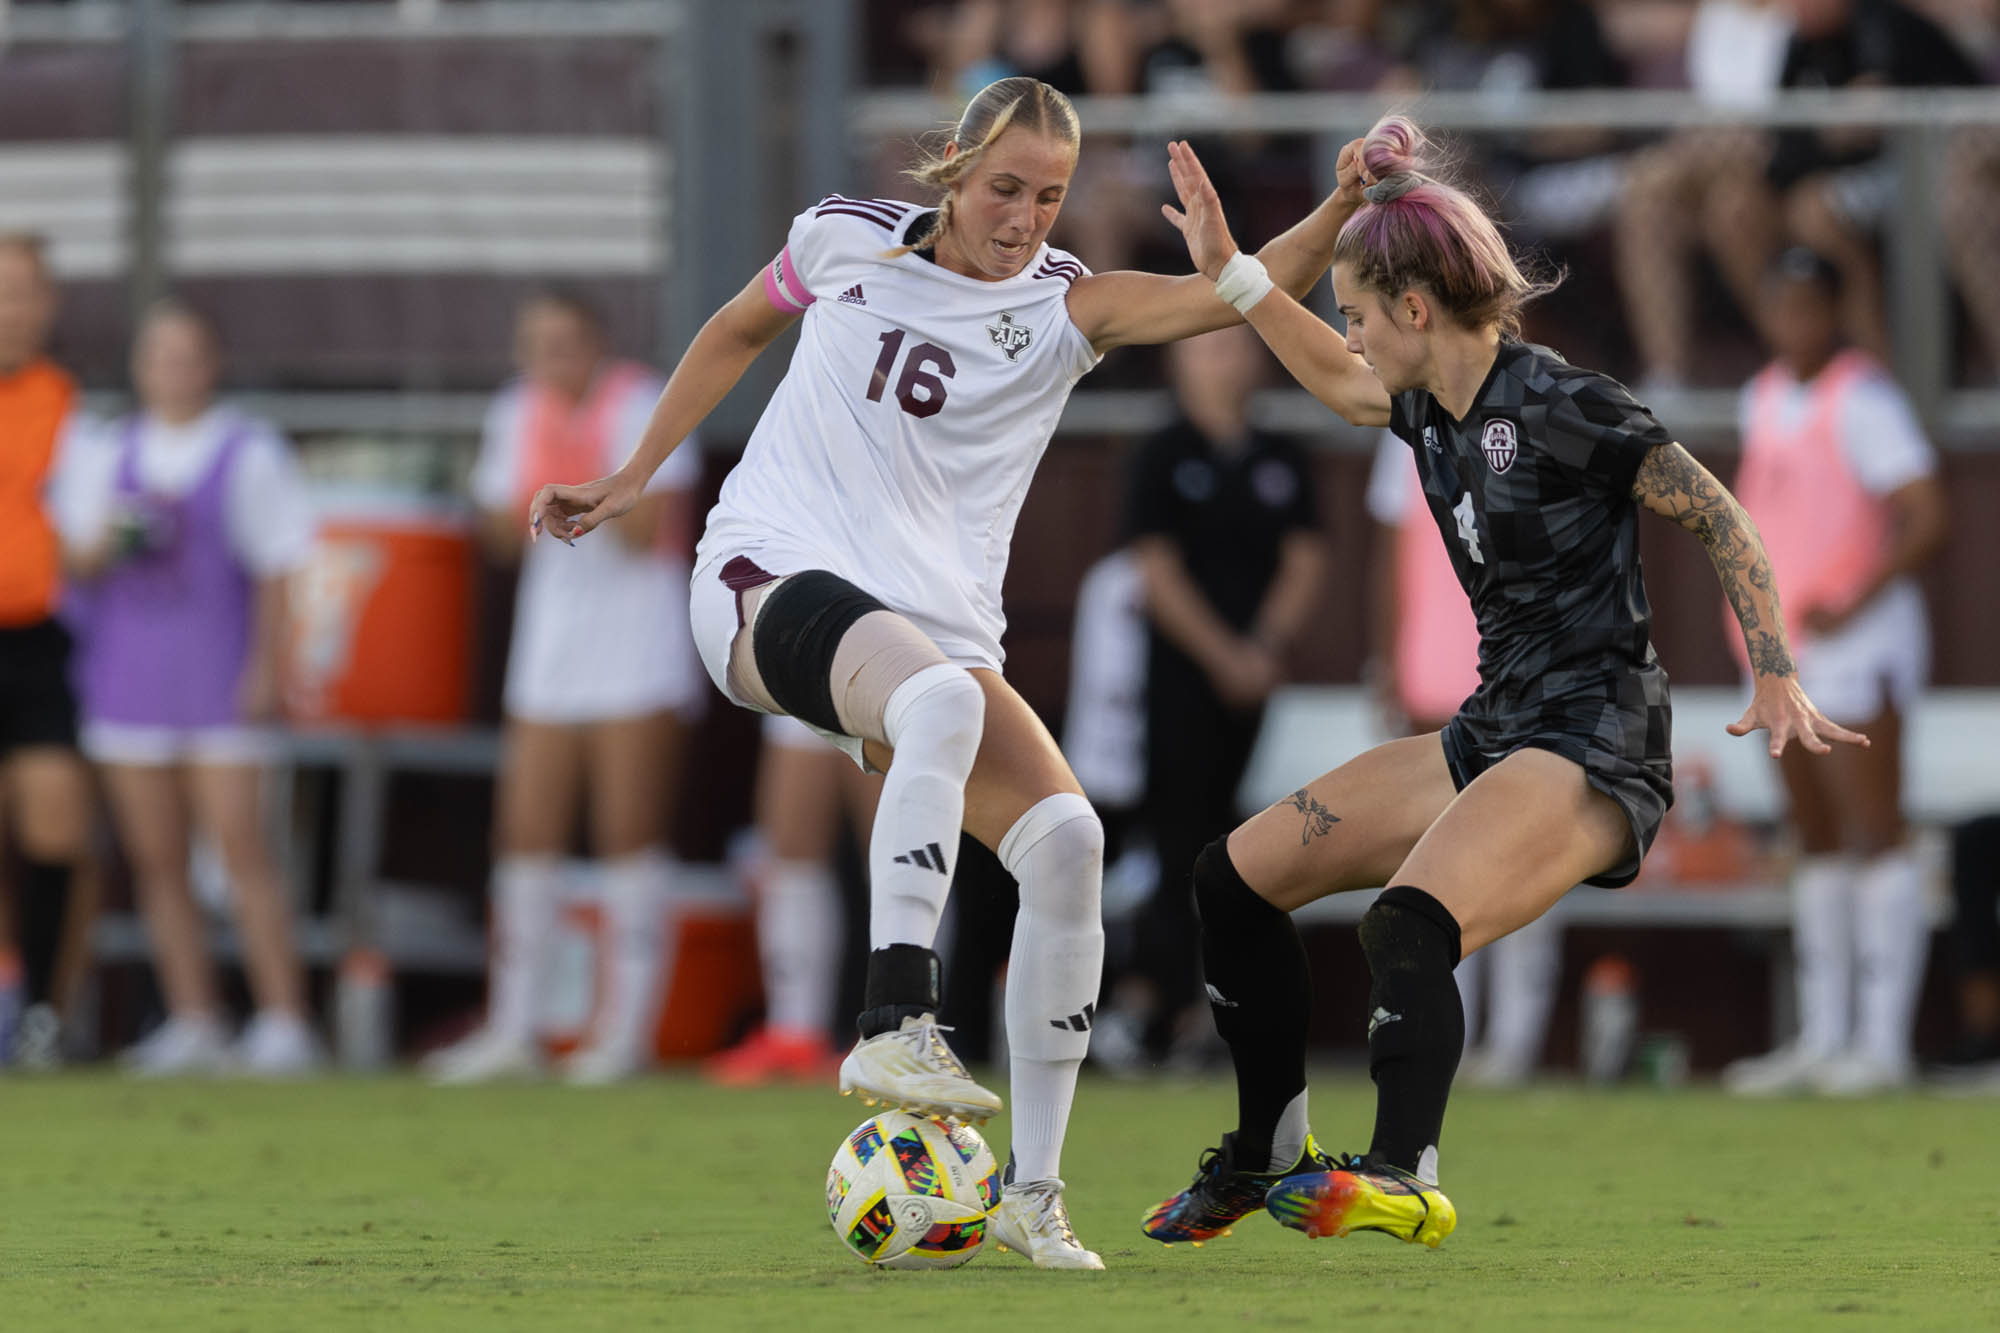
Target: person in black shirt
(1556,771)
(1221,521)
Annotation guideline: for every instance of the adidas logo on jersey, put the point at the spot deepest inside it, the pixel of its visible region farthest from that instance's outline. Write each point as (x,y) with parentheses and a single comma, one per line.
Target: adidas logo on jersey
(934,860)
(853,295)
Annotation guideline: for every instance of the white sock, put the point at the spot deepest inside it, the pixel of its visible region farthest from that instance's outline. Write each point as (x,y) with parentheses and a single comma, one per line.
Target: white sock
(1288,1139)
(1056,852)
(798,941)
(933,720)
(1823,948)
(527,893)
(1524,965)
(1892,943)
(635,919)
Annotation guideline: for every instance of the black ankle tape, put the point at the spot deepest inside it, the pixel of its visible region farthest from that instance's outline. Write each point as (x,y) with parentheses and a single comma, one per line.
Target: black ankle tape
(1414,899)
(904,980)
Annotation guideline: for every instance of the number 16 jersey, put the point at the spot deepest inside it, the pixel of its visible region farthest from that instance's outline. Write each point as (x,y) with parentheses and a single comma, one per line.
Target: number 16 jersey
(899,446)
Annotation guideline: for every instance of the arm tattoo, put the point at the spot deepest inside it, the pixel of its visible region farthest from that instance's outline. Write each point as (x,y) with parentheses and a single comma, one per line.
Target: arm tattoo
(1674,485)
(1319,819)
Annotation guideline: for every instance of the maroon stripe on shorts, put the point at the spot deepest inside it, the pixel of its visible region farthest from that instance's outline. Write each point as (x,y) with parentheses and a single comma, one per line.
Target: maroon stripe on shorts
(740,574)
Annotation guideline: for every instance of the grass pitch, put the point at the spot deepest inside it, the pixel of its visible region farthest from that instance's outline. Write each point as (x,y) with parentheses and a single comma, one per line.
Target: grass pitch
(391,1205)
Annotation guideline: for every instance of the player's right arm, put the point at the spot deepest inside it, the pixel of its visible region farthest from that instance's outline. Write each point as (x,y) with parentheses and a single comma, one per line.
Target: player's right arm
(708,370)
(1312,350)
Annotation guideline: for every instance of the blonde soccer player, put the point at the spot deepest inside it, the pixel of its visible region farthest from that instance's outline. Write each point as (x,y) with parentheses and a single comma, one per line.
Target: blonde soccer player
(850,573)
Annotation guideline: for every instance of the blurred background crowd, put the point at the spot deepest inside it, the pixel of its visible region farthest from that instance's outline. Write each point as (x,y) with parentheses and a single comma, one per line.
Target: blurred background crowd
(309,758)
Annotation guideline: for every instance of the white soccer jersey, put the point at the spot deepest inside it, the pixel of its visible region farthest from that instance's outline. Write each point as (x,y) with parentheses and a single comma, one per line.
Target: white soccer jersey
(899,446)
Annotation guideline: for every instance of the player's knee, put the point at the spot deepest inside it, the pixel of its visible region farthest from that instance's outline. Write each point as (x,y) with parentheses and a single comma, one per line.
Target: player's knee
(1223,900)
(1407,930)
(1056,851)
(939,712)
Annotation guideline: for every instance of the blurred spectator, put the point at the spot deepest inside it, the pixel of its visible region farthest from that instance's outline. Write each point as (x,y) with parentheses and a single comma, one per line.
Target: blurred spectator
(1426,663)
(46,790)
(1224,528)
(1078,47)
(1826,188)
(1975,881)
(186,518)
(1556,183)
(1341,45)
(805,788)
(1214,46)
(1971,218)
(1701,186)
(1836,185)
(600,675)
(1843,485)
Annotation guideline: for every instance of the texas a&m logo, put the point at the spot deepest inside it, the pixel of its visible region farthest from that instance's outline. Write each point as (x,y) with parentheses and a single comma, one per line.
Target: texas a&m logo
(1498,444)
(1010,337)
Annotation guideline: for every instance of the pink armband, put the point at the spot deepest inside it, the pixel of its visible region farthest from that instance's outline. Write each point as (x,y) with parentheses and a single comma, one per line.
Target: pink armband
(782,287)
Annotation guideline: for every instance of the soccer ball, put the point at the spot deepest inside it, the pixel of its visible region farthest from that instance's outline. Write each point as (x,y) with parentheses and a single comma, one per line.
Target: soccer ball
(905,1191)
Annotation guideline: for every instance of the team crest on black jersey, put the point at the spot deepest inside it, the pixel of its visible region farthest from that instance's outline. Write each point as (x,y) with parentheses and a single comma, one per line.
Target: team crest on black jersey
(1009,337)
(1499,445)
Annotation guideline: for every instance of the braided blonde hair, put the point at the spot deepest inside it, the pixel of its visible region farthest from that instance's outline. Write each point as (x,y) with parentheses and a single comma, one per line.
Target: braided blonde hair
(999,106)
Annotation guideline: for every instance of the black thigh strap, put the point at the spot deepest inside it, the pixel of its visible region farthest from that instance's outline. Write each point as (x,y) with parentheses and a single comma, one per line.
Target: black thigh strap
(798,628)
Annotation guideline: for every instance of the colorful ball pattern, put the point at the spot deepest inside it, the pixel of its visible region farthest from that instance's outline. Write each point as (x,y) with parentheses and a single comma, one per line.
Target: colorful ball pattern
(906,1191)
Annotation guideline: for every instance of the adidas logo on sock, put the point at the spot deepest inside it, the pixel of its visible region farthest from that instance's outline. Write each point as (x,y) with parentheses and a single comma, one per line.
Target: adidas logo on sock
(1076,1022)
(934,860)
(1379,1017)
(853,295)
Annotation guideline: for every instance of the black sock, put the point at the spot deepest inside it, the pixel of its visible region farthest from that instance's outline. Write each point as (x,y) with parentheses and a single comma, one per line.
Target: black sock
(1416,1021)
(1260,991)
(44,909)
(904,981)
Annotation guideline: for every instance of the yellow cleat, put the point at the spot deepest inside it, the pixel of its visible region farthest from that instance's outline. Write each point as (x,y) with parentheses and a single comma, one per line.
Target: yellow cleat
(1361,1195)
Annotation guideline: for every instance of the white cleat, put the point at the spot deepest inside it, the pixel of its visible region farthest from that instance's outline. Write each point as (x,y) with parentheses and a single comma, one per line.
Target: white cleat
(483,1057)
(277,1045)
(598,1066)
(179,1048)
(1860,1076)
(911,1069)
(1032,1220)
(1782,1073)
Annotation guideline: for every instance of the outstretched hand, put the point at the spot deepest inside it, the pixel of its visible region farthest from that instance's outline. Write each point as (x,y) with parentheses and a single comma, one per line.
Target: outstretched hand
(568,512)
(1781,707)
(1202,225)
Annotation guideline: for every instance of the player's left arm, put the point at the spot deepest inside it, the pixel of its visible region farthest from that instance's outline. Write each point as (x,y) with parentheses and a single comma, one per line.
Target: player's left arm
(1122,308)
(1676,487)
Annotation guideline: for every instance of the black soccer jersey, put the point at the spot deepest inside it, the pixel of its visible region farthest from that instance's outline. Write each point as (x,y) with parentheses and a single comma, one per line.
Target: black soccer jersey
(1533,494)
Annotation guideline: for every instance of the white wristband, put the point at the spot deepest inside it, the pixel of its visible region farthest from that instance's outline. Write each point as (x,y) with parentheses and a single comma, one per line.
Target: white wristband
(1243,281)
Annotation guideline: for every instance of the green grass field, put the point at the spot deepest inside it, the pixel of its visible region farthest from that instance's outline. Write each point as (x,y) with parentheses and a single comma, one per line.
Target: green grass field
(391,1205)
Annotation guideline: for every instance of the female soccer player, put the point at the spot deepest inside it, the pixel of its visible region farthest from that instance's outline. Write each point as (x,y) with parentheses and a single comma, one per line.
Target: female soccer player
(850,573)
(593,735)
(1557,770)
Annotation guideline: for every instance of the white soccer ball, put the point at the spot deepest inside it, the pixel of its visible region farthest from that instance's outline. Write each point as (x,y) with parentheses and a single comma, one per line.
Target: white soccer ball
(905,1191)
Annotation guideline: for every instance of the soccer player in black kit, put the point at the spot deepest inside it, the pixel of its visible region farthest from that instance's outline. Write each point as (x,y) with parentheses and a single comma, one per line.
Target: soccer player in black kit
(1555,771)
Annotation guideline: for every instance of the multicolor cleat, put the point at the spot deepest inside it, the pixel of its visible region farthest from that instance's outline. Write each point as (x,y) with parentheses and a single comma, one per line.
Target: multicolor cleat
(1220,1195)
(1359,1194)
